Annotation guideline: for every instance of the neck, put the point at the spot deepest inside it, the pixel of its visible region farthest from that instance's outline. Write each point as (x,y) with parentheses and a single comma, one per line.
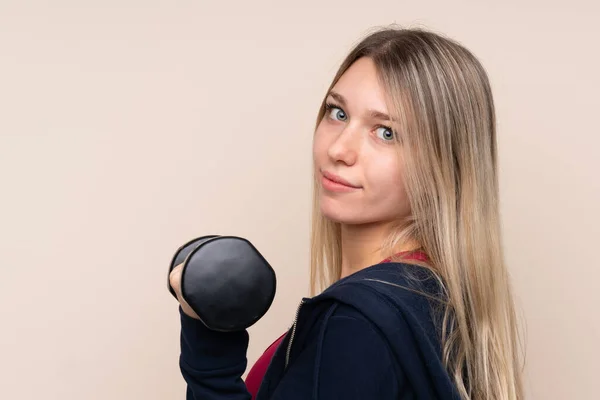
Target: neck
(361,246)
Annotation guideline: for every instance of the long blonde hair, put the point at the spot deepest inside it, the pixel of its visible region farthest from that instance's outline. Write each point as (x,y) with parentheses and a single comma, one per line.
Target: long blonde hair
(442,97)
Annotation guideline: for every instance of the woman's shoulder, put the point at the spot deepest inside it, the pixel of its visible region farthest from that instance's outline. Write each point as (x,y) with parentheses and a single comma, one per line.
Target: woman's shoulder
(388,297)
(403,284)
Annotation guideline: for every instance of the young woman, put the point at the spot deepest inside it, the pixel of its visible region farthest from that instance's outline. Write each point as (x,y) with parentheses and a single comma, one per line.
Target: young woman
(406,243)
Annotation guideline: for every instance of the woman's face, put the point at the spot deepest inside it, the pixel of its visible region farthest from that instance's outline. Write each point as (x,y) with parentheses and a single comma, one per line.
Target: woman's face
(354,141)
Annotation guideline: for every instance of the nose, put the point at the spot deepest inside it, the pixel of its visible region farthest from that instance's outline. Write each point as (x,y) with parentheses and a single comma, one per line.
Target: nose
(346,146)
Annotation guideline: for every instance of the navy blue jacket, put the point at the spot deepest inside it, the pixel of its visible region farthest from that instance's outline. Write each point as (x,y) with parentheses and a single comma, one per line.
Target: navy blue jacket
(370,335)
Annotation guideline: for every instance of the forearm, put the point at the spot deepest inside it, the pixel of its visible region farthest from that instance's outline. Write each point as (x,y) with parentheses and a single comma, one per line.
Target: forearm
(212,363)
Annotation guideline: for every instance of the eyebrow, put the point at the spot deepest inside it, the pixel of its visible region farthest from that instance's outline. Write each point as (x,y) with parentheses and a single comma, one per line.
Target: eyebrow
(371,113)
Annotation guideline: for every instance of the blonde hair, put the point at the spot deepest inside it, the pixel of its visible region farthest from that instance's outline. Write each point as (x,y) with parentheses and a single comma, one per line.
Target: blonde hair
(442,97)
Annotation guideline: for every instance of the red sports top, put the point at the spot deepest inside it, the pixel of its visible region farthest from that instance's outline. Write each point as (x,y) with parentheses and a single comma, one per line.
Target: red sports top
(257,372)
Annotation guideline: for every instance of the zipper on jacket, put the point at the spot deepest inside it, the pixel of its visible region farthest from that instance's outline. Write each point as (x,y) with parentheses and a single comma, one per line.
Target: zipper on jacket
(289,347)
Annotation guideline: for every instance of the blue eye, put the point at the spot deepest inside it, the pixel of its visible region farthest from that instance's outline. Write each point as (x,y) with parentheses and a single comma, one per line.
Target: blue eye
(385,133)
(334,112)
(338,112)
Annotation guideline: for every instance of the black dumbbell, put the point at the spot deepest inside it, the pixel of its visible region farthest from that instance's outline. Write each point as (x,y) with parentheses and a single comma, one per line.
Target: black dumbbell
(225,280)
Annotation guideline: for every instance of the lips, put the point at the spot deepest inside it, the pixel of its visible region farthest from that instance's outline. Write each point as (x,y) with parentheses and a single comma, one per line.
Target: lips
(338,179)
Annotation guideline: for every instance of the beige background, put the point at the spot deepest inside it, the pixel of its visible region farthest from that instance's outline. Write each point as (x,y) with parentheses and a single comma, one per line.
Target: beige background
(128,127)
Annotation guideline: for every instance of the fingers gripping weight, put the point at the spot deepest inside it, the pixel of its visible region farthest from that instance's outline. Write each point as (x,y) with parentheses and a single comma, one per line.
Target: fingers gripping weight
(225,280)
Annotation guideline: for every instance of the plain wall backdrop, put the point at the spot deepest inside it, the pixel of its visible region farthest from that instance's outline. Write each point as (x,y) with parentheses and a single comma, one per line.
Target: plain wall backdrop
(128,127)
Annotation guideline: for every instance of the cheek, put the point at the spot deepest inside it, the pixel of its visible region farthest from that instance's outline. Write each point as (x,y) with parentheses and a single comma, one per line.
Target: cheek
(318,145)
(387,193)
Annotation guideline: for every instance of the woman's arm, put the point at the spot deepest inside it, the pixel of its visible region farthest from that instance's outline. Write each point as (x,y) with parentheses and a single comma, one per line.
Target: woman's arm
(212,363)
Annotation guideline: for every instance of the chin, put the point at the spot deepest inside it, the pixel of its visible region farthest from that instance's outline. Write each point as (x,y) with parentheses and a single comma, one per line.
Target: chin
(356,214)
(339,215)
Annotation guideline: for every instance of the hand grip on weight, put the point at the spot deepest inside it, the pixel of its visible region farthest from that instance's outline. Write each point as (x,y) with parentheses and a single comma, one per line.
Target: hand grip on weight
(225,280)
